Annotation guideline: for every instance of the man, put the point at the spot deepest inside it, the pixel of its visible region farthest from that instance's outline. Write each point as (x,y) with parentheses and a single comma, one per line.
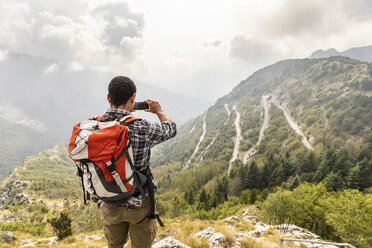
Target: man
(143,134)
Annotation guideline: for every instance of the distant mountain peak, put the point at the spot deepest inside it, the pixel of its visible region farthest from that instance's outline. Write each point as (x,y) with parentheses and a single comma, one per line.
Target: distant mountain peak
(324,53)
(360,53)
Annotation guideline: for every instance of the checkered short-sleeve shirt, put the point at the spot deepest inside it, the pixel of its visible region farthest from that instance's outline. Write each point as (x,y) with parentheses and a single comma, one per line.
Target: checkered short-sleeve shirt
(144,134)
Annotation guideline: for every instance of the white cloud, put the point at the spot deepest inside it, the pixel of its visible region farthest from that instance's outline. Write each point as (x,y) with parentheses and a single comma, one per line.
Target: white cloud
(254,50)
(75,66)
(96,35)
(129,47)
(4,55)
(16,23)
(15,115)
(54,67)
(215,43)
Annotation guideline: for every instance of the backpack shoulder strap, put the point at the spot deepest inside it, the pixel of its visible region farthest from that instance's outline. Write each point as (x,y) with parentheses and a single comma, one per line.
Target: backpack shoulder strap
(128,119)
(98,118)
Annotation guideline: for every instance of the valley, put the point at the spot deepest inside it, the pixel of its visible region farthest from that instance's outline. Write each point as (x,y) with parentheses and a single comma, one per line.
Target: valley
(293,140)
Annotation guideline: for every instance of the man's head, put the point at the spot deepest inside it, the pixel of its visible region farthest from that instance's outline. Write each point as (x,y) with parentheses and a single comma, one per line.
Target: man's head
(121,92)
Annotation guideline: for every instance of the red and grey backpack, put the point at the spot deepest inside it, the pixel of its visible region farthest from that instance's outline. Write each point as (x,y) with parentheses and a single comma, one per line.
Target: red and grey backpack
(103,155)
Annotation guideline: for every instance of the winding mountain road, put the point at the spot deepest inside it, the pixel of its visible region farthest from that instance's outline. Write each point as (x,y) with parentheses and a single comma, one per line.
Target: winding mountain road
(252,151)
(238,137)
(228,112)
(218,132)
(292,123)
(200,141)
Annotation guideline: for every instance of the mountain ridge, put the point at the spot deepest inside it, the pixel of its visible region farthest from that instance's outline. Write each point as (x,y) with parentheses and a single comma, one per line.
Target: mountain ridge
(360,53)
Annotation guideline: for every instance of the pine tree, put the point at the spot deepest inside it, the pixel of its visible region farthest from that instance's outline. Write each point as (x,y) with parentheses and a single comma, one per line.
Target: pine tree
(243,173)
(191,196)
(343,163)
(204,200)
(353,179)
(328,159)
(365,175)
(62,225)
(176,206)
(253,177)
(334,181)
(265,176)
(253,196)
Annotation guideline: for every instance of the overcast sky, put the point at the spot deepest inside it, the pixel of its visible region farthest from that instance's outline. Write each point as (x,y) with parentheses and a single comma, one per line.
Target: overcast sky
(200,48)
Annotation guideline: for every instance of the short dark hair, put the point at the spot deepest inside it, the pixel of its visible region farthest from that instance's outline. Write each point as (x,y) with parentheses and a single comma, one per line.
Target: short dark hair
(120,89)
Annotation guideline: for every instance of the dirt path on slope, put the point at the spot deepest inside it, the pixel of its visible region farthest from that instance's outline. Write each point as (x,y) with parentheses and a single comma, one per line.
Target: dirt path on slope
(228,112)
(200,141)
(252,151)
(237,138)
(218,132)
(292,123)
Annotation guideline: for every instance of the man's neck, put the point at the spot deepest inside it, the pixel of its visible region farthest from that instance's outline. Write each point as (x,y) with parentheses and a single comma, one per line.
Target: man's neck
(122,107)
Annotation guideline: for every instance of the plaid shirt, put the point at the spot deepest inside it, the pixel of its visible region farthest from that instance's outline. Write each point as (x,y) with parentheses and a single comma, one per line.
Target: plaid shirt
(143,135)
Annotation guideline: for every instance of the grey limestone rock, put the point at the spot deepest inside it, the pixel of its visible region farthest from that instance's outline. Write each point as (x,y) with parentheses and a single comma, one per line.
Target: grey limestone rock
(7,237)
(169,243)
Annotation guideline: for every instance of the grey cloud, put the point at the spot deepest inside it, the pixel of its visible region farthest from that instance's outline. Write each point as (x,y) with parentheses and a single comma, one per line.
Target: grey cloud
(294,17)
(215,43)
(316,17)
(121,22)
(55,29)
(253,50)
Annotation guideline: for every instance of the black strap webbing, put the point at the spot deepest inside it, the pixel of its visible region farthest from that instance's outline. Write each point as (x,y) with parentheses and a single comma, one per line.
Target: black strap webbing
(80,174)
(85,199)
(135,176)
(150,190)
(121,154)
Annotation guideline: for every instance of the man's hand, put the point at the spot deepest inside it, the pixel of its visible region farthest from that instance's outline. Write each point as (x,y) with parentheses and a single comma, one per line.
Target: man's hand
(154,107)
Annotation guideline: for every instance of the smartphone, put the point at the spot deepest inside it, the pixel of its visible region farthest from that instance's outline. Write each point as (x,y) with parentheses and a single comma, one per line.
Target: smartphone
(141,106)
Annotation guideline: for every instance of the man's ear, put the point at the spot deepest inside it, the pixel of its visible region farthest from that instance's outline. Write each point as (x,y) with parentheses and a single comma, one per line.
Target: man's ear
(133,97)
(108,98)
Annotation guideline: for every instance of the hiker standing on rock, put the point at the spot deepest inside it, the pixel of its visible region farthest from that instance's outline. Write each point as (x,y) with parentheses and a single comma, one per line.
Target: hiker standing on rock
(116,170)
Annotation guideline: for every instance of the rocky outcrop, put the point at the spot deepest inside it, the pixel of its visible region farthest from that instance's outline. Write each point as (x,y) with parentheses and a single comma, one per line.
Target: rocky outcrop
(169,243)
(44,241)
(7,193)
(19,199)
(215,239)
(7,237)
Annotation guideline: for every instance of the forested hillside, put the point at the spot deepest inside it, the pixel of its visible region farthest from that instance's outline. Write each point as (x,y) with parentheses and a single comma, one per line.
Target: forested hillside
(293,122)
(317,108)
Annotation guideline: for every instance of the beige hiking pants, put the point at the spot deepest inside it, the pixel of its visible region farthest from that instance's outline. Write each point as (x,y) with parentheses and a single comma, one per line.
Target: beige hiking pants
(119,221)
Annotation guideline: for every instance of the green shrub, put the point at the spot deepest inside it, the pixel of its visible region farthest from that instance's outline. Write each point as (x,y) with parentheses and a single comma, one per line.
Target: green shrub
(62,225)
